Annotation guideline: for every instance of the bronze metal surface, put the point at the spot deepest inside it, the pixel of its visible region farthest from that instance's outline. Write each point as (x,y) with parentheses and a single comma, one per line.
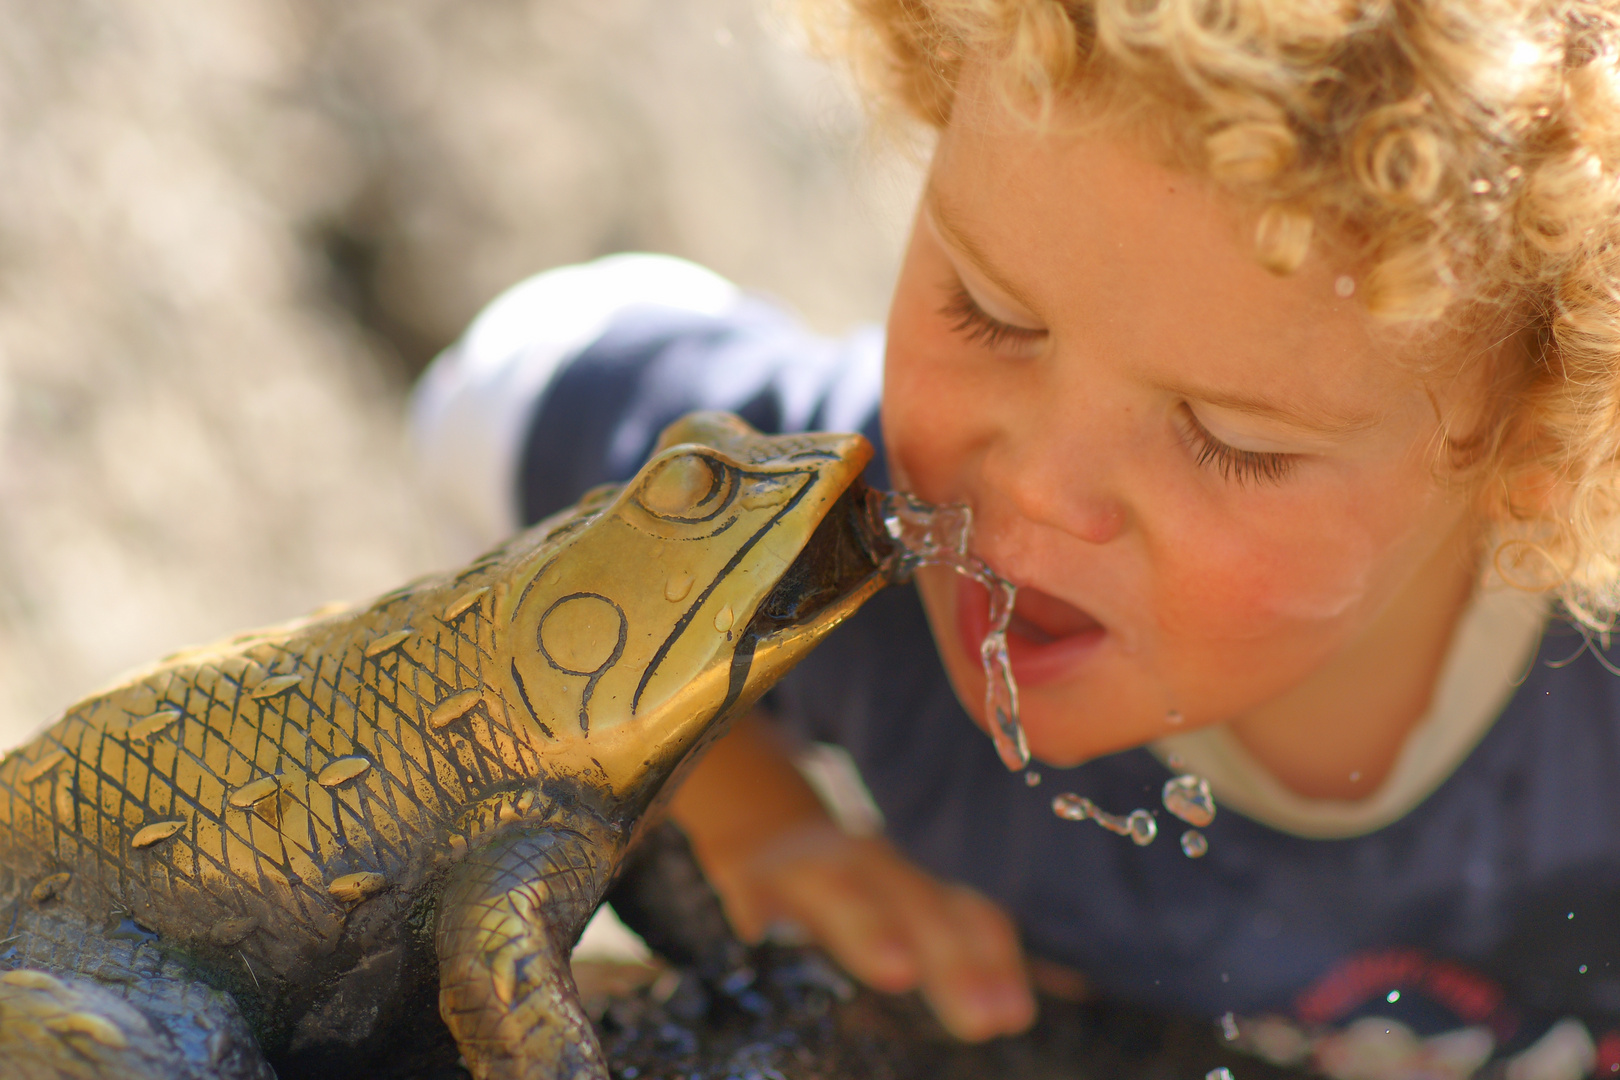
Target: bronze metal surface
(284,833)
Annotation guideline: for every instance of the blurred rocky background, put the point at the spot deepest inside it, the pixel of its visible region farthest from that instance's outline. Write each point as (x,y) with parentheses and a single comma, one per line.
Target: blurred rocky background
(231,233)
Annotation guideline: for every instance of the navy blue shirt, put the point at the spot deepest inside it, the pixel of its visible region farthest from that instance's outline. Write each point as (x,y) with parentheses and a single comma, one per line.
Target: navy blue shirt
(1494,905)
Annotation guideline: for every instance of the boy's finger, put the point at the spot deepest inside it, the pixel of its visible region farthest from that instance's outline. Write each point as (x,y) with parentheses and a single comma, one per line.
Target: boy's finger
(990,935)
(857,927)
(973,972)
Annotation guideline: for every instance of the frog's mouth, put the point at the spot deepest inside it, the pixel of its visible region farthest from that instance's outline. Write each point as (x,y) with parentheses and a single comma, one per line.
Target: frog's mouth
(843,563)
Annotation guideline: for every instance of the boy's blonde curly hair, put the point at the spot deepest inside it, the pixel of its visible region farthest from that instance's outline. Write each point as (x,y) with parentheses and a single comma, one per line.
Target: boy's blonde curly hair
(1468,149)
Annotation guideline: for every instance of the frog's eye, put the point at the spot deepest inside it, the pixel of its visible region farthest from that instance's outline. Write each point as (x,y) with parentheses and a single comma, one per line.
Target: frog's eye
(688,487)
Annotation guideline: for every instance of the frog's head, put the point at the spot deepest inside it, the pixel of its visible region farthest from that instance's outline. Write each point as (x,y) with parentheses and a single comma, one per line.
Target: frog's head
(655,621)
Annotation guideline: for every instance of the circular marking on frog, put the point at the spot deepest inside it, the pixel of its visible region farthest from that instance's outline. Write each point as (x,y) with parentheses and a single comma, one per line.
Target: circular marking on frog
(583,634)
(342,770)
(144,729)
(353,888)
(249,795)
(276,684)
(50,888)
(388,642)
(43,767)
(156,833)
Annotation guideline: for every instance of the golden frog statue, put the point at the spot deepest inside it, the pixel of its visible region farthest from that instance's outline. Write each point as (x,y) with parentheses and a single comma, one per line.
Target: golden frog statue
(275,845)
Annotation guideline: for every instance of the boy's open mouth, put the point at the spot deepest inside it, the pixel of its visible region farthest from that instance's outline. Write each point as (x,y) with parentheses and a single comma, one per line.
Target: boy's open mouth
(1047,636)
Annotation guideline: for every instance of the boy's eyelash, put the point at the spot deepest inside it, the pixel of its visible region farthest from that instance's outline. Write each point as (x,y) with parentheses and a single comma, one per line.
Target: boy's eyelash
(1232,463)
(972,322)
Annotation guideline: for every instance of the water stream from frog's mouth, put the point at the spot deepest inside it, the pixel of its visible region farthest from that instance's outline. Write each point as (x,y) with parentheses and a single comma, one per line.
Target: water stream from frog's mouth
(929,535)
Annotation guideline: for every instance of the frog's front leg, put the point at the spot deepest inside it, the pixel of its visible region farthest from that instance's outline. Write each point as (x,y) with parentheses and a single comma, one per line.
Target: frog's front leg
(507,923)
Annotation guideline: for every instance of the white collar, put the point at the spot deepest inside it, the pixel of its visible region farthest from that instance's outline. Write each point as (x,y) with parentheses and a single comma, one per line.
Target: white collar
(1495,643)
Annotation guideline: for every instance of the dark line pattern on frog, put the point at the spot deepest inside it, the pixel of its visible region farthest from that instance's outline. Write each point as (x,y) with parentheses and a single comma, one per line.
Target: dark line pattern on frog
(270,845)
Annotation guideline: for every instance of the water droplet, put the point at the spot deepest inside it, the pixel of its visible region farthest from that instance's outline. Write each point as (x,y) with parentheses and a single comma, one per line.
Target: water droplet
(1229,1028)
(1393,996)
(1138,824)
(1583,969)
(1344,286)
(1220,1073)
(724,618)
(1032,778)
(1072,807)
(1193,844)
(678,585)
(1480,187)
(1174,718)
(1189,798)
(1571,915)
(941,536)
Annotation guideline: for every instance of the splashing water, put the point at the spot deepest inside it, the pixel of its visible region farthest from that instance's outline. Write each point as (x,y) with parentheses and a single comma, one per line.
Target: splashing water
(1194,845)
(1138,824)
(931,535)
(1189,798)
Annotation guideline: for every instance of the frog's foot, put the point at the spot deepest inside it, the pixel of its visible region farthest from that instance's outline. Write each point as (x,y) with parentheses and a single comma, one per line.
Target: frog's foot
(71,1028)
(506,926)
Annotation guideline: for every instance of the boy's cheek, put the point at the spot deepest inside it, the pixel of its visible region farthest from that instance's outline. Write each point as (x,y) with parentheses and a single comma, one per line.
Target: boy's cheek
(1260,590)
(1305,563)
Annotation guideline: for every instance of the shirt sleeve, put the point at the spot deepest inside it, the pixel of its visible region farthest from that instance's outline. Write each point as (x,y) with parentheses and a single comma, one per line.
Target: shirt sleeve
(474,407)
(565,381)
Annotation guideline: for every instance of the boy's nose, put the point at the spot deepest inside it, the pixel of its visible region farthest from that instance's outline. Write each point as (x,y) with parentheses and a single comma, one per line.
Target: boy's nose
(1045,490)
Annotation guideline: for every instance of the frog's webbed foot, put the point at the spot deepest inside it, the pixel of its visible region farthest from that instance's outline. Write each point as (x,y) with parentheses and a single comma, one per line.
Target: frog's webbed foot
(71,1028)
(507,924)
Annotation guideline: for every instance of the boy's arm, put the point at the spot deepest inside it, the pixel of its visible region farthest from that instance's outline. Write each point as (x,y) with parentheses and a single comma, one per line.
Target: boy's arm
(773,854)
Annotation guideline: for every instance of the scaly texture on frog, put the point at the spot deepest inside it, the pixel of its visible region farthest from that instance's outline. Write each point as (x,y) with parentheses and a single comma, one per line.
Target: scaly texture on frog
(276,845)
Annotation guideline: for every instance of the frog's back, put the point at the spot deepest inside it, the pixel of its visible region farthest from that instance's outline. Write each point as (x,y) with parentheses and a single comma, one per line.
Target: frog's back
(258,789)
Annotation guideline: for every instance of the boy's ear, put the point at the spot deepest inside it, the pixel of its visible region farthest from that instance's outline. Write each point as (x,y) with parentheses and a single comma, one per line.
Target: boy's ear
(1526,493)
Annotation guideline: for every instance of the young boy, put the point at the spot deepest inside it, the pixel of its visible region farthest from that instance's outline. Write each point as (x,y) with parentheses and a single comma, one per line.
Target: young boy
(1265,340)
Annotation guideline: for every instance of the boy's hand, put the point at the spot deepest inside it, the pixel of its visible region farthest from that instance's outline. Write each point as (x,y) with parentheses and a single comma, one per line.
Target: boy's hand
(888,923)
(774,856)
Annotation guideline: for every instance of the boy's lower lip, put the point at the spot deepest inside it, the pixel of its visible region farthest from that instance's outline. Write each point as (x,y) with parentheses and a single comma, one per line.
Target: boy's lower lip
(1041,650)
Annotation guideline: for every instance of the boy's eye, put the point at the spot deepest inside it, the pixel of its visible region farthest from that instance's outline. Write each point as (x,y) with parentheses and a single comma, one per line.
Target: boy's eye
(1232,463)
(977,326)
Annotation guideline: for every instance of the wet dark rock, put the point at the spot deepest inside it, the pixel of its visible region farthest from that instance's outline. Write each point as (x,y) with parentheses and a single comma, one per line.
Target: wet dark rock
(721,1011)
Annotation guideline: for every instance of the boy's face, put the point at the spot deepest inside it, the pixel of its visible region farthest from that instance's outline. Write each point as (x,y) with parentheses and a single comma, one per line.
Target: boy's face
(1213,485)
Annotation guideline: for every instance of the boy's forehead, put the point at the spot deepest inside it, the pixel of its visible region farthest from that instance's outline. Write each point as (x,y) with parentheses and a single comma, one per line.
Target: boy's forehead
(1119,253)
